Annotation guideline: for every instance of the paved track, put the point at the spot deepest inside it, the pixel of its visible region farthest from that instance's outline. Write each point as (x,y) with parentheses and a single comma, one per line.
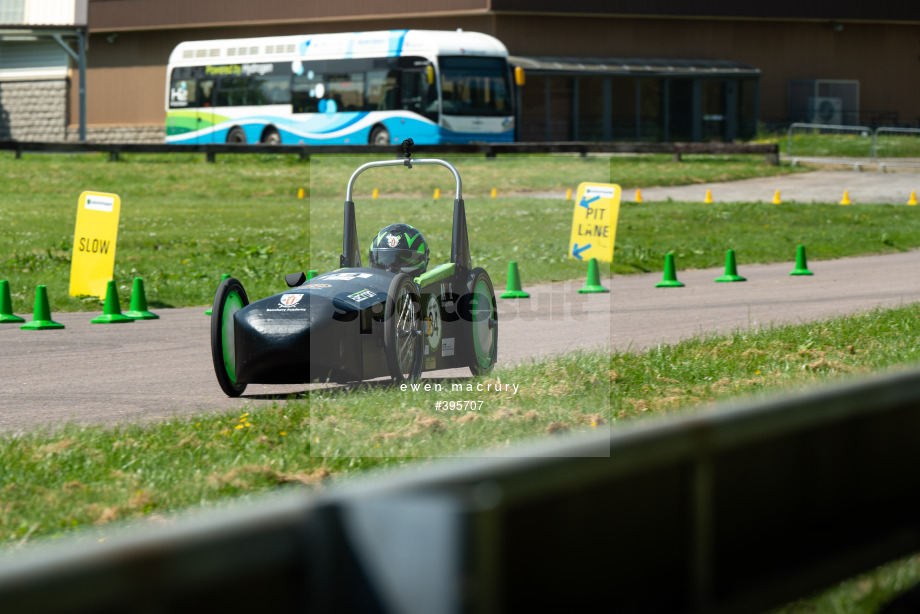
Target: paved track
(92,373)
(817,186)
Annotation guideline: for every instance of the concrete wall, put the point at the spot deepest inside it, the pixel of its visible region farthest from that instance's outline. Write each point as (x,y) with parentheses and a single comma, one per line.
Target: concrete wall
(33,110)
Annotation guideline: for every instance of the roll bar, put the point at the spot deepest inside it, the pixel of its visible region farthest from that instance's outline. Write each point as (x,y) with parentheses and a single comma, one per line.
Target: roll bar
(460,243)
(407,162)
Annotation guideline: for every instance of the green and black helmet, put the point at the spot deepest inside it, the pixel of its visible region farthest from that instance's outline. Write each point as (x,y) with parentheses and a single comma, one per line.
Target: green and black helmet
(400,248)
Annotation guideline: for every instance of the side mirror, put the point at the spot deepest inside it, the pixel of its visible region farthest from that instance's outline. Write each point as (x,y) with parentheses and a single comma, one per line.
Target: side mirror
(519,75)
(429,74)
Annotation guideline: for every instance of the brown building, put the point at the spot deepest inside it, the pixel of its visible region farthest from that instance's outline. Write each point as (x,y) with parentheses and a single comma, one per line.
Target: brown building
(658,70)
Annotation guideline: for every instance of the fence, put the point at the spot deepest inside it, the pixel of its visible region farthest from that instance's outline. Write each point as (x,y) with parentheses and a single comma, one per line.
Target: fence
(913,150)
(733,510)
(769,150)
(858,152)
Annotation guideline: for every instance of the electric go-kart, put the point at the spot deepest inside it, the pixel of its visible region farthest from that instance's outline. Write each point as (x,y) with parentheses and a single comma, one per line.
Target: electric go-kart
(359,323)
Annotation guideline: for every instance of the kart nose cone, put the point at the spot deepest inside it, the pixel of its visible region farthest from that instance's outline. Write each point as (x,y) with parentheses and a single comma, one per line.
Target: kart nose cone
(272,347)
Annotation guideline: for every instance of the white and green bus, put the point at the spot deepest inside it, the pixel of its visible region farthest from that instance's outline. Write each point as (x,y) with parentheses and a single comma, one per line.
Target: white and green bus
(355,88)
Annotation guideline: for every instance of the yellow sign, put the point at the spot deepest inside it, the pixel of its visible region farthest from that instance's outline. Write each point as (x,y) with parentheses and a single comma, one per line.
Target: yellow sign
(594,223)
(93,261)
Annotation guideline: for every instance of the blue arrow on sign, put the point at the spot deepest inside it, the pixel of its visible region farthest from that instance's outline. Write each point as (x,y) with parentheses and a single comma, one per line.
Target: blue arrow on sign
(576,251)
(587,201)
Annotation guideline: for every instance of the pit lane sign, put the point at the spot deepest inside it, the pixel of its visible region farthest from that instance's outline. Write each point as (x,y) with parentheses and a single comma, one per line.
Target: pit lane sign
(93,262)
(594,222)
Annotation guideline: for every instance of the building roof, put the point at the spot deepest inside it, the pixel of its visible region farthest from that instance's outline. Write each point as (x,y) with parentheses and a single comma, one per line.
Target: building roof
(634,66)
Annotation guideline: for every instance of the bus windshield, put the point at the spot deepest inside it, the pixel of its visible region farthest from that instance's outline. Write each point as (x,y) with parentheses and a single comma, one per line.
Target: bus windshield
(475,86)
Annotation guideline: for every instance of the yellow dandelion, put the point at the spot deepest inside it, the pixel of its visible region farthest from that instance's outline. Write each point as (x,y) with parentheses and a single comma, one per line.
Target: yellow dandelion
(238,426)
(244,415)
(594,424)
(284,433)
(247,425)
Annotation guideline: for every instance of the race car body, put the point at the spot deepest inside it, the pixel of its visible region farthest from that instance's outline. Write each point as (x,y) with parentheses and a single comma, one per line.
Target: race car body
(359,323)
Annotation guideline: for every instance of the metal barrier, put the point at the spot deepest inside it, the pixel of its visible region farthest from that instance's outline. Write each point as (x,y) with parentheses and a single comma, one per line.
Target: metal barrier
(769,150)
(881,129)
(861,130)
(733,510)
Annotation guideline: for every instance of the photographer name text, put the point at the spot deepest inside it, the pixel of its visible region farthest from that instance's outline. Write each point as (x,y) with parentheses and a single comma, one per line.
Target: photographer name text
(438,387)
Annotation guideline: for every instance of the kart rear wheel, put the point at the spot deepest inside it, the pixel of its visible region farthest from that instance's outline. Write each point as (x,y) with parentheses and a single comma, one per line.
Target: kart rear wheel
(482,343)
(402,332)
(230,298)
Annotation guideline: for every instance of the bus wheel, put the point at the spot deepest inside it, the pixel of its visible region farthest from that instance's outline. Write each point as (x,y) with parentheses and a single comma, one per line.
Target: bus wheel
(380,136)
(236,135)
(271,137)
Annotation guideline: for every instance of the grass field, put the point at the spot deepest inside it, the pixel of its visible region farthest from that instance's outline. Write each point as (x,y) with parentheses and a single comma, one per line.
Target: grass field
(812,142)
(55,482)
(185,222)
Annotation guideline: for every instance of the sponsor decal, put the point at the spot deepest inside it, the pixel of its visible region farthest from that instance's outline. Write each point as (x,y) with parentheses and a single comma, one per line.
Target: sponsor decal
(392,241)
(257,69)
(231,69)
(98,202)
(289,300)
(362,295)
(316,286)
(447,348)
(345,276)
(433,323)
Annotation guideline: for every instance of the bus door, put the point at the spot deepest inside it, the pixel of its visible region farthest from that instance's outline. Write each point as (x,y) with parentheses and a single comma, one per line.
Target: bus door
(205,116)
(417,93)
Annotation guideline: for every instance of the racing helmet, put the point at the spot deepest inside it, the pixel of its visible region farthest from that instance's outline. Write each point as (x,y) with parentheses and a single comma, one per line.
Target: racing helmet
(400,248)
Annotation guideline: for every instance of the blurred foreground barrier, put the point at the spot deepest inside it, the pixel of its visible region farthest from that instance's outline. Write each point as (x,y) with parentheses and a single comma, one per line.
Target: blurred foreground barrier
(769,150)
(733,510)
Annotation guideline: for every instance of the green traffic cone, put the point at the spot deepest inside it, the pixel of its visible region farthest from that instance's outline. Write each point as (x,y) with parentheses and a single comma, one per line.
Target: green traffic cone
(670,274)
(138,310)
(311,274)
(222,277)
(111,312)
(593,283)
(6,304)
(731,268)
(41,315)
(514,283)
(801,264)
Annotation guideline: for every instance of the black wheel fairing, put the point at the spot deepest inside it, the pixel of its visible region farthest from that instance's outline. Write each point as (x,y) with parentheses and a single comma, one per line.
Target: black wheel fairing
(229,300)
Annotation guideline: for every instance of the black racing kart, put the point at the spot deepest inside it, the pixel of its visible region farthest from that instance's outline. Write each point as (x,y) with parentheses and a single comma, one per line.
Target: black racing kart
(358,323)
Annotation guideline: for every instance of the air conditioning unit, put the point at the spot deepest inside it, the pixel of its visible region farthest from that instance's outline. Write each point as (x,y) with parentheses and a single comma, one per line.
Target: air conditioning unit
(825,110)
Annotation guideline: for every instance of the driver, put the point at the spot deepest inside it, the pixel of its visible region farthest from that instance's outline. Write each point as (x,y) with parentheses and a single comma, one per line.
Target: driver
(400,248)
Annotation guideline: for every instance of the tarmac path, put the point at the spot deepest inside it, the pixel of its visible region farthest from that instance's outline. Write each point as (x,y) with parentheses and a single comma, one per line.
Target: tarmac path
(153,370)
(816,186)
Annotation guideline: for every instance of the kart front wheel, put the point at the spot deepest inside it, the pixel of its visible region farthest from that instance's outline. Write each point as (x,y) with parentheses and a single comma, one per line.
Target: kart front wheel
(230,298)
(402,333)
(482,342)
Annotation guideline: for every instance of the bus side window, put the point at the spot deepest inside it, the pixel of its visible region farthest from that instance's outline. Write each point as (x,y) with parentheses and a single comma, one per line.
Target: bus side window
(183,93)
(381,91)
(304,97)
(205,90)
(347,90)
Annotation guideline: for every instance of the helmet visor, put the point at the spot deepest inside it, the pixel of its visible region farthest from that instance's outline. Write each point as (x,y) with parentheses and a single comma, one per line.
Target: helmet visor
(397,258)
